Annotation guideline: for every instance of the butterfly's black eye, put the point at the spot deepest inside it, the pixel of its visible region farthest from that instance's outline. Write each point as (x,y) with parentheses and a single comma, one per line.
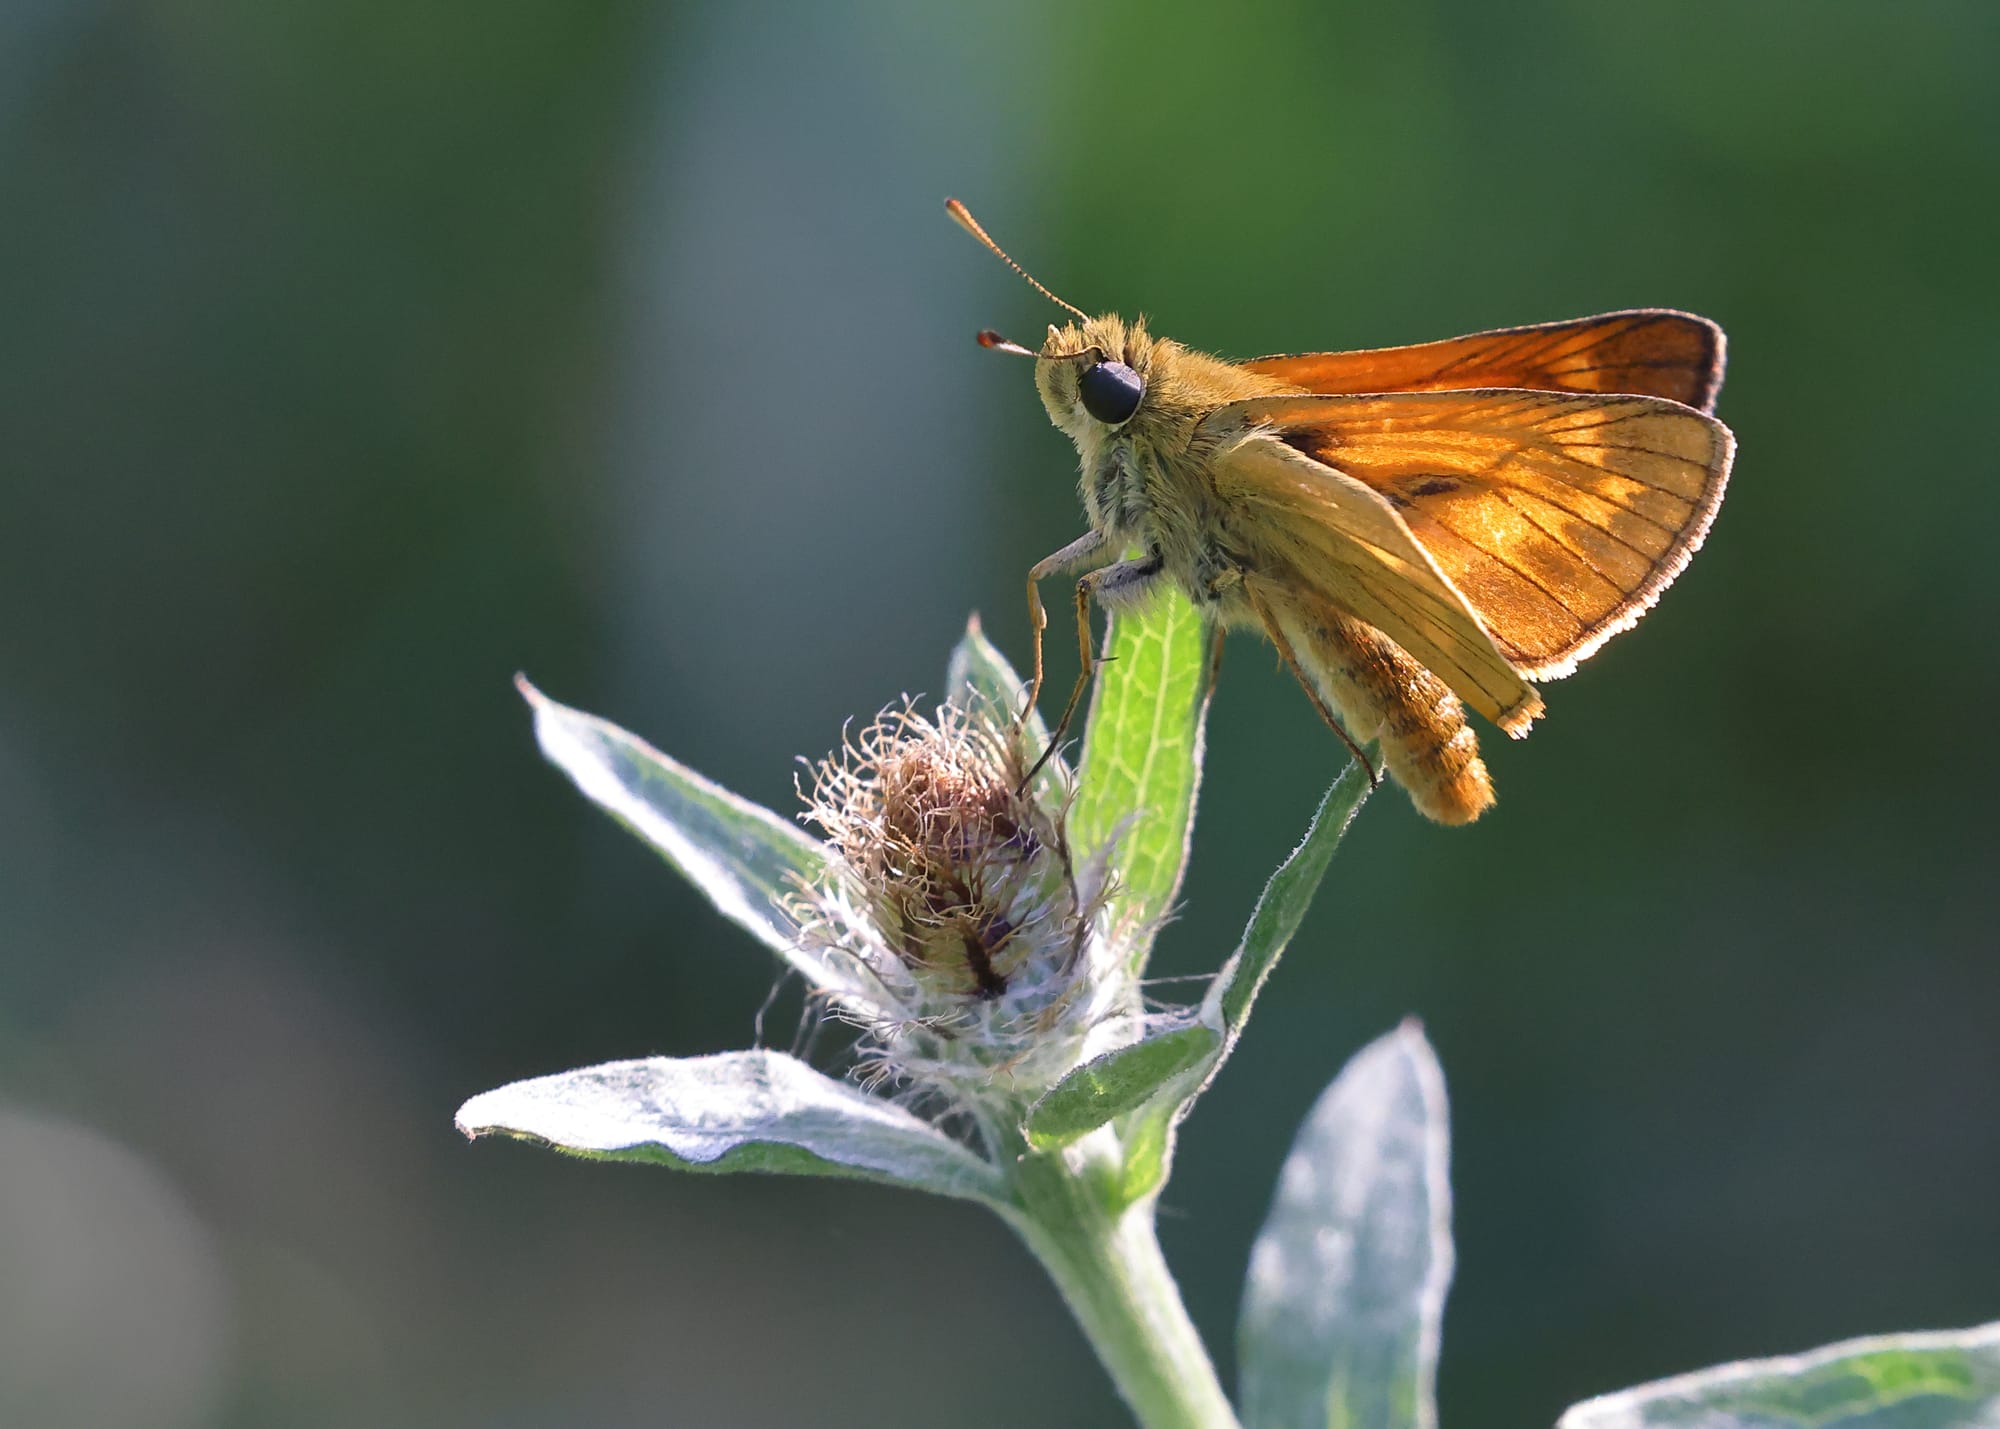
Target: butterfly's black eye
(1111,392)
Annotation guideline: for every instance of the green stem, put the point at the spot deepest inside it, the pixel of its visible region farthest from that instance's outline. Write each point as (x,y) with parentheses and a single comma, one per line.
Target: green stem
(1108,1266)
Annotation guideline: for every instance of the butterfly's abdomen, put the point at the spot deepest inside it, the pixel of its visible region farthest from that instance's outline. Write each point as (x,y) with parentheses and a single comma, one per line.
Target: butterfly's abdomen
(1381,694)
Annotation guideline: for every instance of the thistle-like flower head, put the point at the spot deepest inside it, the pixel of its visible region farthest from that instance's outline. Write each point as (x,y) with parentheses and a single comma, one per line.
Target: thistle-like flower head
(955,891)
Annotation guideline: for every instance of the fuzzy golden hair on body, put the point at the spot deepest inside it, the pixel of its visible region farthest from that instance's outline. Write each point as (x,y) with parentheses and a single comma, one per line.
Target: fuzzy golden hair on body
(1418,531)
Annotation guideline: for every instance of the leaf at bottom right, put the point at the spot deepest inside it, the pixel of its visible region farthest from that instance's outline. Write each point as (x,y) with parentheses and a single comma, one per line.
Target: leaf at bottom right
(1944,1380)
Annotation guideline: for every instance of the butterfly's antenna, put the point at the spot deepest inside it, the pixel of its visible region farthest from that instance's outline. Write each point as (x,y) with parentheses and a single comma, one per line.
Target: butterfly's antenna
(971,225)
(992,339)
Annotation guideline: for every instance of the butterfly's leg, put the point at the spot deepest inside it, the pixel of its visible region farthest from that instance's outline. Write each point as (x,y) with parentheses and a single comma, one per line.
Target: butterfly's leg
(1113,585)
(1226,579)
(1082,549)
(1291,659)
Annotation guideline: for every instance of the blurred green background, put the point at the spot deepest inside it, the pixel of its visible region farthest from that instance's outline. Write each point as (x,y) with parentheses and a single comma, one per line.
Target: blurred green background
(354,356)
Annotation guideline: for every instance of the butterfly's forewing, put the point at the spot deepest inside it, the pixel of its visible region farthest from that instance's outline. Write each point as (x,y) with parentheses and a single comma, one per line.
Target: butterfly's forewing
(1557,518)
(1651,352)
(1315,528)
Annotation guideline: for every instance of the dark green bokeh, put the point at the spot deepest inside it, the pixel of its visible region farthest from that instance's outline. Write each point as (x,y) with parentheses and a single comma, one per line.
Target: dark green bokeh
(354,356)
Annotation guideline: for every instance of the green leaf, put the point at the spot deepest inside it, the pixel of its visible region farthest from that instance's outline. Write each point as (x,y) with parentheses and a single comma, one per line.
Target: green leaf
(1142,751)
(740,854)
(1149,1137)
(1344,1302)
(739,1111)
(1282,905)
(1944,1380)
(1114,1084)
(1149,1134)
(978,669)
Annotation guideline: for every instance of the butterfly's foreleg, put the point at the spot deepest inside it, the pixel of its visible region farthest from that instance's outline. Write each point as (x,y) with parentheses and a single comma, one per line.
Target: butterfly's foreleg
(1114,585)
(1082,549)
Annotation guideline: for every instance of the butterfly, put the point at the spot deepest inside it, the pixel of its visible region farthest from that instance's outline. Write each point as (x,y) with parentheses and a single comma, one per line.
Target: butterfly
(1417,530)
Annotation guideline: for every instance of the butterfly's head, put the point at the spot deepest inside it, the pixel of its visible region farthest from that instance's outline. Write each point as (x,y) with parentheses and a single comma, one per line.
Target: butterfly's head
(1092,374)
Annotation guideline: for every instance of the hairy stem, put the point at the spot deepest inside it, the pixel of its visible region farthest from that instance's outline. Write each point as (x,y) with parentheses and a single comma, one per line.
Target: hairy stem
(1108,1266)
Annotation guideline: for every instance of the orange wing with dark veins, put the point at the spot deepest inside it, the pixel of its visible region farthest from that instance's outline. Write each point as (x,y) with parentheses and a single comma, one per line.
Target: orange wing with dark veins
(1552,521)
(1648,352)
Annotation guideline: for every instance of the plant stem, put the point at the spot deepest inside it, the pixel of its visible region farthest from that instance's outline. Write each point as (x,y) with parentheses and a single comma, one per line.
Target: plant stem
(1108,1266)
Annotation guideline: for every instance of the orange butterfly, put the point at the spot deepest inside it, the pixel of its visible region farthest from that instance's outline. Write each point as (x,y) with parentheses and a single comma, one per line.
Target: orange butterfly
(1416,529)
